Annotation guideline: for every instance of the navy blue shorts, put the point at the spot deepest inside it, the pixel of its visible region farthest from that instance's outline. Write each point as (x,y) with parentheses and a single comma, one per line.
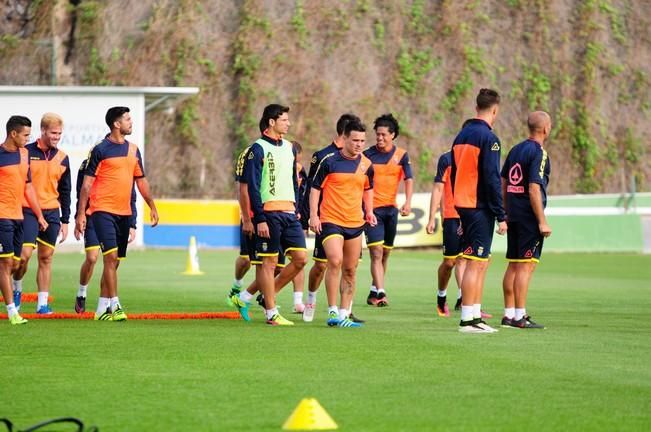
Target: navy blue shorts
(112,232)
(247,244)
(31,231)
(452,238)
(384,233)
(524,242)
(285,234)
(329,230)
(11,238)
(478,226)
(90,236)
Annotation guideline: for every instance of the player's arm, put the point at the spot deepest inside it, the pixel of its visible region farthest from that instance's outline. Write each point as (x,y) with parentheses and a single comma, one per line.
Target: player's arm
(409,184)
(254,163)
(245,206)
(536,180)
(84,194)
(491,173)
(30,196)
(434,205)
(535,197)
(318,182)
(143,188)
(64,189)
(367,198)
(133,220)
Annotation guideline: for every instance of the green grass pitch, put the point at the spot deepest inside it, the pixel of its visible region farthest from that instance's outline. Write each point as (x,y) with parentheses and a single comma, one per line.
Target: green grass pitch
(405,370)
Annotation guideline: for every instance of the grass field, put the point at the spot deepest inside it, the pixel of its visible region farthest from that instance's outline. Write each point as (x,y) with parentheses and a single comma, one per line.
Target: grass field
(406,370)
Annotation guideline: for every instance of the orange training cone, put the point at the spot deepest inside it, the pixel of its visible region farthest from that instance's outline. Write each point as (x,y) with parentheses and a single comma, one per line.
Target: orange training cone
(309,415)
(192,265)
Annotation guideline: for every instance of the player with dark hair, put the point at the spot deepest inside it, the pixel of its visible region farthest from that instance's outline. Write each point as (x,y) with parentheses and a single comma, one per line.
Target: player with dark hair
(319,267)
(390,166)
(345,179)
(16,186)
(113,164)
(476,186)
(50,171)
(91,243)
(272,190)
(525,176)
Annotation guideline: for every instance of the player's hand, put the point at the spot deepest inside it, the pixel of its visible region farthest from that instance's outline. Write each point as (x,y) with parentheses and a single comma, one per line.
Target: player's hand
(80,226)
(315,224)
(63,232)
(42,223)
(132,234)
(501,228)
(405,209)
(545,229)
(263,230)
(371,219)
(153,216)
(247,228)
(432,226)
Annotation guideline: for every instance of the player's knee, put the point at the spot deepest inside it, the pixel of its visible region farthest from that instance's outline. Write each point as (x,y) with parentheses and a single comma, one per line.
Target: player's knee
(376,252)
(335,262)
(299,260)
(448,264)
(349,273)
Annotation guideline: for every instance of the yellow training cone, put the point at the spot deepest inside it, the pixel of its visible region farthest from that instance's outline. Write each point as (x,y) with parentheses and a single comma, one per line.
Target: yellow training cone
(192,265)
(309,415)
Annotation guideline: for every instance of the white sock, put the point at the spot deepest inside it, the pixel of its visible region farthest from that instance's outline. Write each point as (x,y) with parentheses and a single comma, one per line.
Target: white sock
(246,296)
(373,288)
(343,314)
(459,295)
(476,310)
(115,303)
(520,313)
(298,297)
(102,304)
(466,313)
(42,298)
(334,309)
(271,312)
(350,309)
(237,283)
(509,312)
(11,310)
(311,297)
(380,290)
(443,293)
(83,289)
(18,285)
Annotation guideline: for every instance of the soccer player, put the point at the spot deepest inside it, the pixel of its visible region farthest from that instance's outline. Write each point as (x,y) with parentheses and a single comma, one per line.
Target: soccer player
(345,179)
(50,171)
(319,267)
(477,191)
(113,165)
(16,184)
(452,233)
(390,166)
(91,243)
(273,188)
(525,176)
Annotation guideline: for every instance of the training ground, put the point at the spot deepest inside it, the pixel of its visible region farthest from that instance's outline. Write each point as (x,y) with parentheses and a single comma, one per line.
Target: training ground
(405,370)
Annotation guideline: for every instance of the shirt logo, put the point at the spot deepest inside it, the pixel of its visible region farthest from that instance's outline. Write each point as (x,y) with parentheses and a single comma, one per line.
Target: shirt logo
(496,147)
(272,173)
(515,177)
(251,155)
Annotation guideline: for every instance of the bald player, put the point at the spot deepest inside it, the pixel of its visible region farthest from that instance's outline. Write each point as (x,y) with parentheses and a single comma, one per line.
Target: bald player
(525,176)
